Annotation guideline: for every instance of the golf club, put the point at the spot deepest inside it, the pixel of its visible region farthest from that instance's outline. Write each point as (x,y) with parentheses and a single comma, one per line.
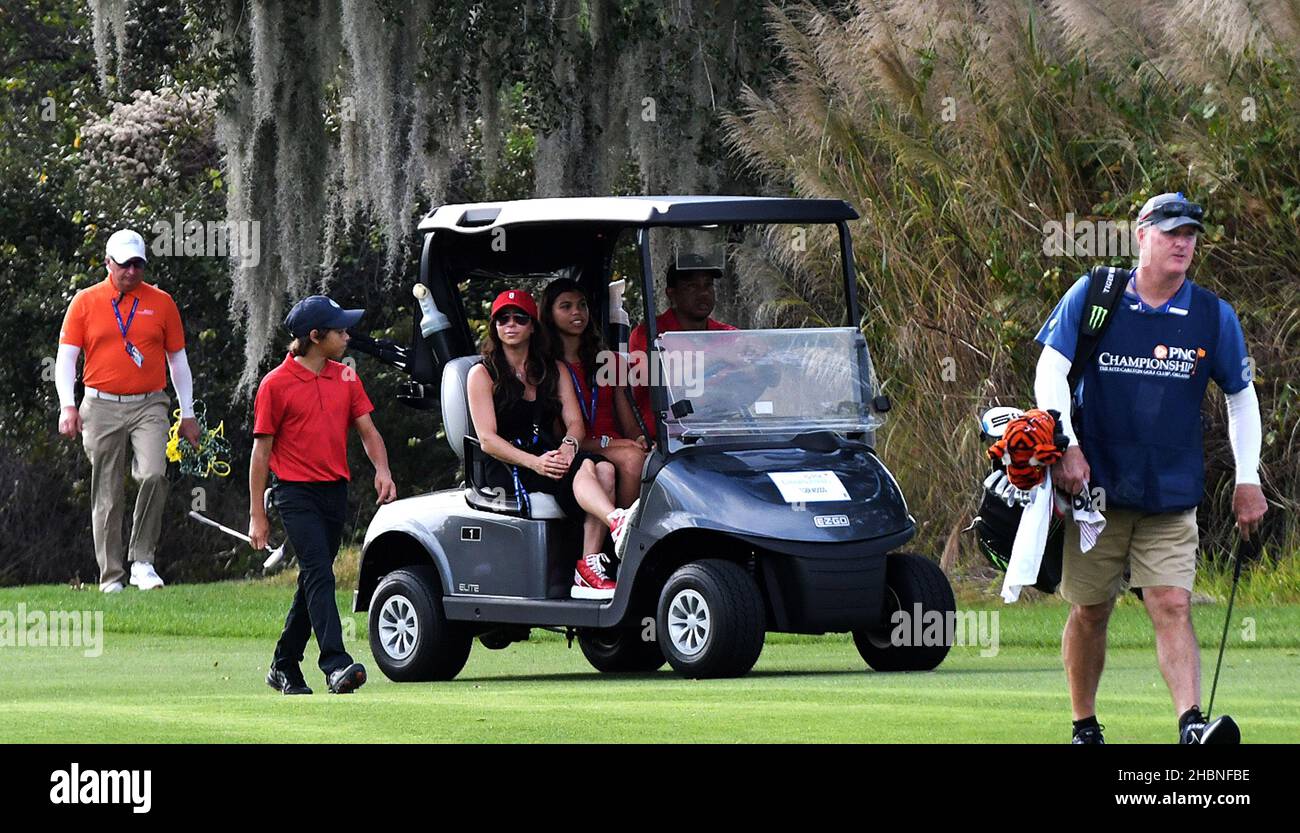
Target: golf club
(276,555)
(1232,596)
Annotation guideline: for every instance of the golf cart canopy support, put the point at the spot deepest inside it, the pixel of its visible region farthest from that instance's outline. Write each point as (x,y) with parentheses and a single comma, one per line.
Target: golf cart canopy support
(504,240)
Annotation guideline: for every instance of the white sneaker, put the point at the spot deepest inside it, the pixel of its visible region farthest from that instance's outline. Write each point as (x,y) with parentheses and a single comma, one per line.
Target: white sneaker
(112,587)
(620,520)
(143,576)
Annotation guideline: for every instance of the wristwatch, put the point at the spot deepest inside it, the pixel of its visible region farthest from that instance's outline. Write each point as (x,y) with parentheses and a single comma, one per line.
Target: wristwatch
(604,441)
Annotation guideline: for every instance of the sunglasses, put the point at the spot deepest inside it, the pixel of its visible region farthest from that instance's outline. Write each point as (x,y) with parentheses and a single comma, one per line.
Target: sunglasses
(523,319)
(133,263)
(1175,209)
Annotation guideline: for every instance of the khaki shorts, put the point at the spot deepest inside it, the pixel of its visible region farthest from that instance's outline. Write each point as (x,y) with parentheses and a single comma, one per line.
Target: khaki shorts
(1159,549)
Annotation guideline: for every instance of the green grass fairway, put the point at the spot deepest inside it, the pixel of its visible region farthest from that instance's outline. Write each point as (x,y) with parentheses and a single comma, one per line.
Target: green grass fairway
(186,664)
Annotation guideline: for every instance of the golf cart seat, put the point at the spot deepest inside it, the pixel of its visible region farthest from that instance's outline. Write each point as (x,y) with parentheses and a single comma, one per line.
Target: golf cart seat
(460,434)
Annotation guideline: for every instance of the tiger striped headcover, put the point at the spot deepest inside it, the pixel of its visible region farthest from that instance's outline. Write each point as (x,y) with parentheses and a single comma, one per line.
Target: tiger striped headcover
(1031,443)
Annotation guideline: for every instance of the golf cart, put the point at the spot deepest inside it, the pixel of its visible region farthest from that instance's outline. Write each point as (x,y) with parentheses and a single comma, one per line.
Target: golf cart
(763,505)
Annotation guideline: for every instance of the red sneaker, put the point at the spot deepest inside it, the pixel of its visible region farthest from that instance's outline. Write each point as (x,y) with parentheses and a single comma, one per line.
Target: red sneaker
(590,581)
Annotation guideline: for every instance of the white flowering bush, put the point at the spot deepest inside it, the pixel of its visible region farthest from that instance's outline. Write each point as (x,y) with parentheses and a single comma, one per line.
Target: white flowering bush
(155,138)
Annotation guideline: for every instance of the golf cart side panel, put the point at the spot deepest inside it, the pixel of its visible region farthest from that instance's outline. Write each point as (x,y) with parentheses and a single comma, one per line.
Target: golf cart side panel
(475,552)
(730,491)
(403,517)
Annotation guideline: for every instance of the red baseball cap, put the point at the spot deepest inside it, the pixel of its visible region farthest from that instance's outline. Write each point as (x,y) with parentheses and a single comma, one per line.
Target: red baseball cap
(515,298)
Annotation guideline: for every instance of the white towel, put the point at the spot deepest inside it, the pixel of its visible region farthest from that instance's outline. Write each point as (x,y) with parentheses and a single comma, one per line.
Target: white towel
(1031,540)
(1085,514)
(1090,521)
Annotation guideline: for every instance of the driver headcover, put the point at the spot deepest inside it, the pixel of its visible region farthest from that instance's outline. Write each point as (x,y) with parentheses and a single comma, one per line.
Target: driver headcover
(1031,443)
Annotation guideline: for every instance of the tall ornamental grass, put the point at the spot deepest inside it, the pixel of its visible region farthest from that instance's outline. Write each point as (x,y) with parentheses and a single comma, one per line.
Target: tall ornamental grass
(961,131)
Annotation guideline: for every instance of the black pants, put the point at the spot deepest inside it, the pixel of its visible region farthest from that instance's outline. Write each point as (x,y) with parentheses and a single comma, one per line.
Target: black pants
(313,515)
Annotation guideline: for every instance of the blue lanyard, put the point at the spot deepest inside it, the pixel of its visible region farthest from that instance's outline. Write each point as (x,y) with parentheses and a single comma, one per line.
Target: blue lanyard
(123,328)
(520,492)
(589,418)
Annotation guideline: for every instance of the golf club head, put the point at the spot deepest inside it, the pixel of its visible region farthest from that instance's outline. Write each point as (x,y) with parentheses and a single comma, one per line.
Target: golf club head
(275,560)
(995,420)
(266,499)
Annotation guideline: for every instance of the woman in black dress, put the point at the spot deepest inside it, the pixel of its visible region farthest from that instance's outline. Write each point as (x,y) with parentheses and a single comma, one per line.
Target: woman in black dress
(517,397)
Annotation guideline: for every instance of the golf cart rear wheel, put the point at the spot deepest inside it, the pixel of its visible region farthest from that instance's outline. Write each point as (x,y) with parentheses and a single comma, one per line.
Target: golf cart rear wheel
(710,620)
(910,580)
(620,650)
(410,637)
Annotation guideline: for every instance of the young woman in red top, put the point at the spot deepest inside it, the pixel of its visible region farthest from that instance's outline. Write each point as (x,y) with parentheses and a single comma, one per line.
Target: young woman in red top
(606,412)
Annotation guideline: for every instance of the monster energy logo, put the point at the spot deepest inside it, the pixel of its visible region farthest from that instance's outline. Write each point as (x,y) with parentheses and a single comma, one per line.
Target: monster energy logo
(1096,316)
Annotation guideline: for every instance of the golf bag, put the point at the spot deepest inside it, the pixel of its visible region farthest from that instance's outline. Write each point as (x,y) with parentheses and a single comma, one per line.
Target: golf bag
(999,513)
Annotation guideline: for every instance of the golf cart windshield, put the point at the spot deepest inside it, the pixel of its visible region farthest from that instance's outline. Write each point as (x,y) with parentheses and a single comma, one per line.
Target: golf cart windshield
(745,382)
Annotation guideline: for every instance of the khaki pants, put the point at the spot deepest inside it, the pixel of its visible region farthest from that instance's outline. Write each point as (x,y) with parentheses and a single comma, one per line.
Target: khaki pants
(1160,551)
(108,429)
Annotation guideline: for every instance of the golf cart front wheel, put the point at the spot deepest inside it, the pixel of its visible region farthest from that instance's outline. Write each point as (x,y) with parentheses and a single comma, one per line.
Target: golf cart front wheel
(620,650)
(410,637)
(710,620)
(913,583)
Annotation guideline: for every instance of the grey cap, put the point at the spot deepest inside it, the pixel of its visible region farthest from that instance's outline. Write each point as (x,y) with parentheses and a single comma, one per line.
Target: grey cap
(1169,211)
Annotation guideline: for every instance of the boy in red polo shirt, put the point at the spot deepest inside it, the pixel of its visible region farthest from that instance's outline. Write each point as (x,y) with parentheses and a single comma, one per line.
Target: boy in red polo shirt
(300,431)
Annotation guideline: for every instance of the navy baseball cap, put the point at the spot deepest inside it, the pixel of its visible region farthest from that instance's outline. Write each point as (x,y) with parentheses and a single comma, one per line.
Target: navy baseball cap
(1169,211)
(320,313)
(690,262)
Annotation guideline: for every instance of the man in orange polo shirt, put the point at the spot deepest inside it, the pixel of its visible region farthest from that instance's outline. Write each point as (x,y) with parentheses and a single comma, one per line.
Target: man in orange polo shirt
(131,334)
(691,298)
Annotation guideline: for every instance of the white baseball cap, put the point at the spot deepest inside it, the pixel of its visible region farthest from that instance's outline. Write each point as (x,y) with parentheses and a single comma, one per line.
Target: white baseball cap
(124,245)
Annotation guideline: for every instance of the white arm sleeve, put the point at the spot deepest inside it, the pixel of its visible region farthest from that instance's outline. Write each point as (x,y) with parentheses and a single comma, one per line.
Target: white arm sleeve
(1052,387)
(1245,433)
(65,374)
(182,381)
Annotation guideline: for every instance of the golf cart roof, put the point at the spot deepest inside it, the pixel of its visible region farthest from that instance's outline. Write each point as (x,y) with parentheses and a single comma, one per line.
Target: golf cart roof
(473,218)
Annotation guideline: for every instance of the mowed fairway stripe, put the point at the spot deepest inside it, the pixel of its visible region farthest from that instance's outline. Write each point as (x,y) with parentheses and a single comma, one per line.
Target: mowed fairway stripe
(185,689)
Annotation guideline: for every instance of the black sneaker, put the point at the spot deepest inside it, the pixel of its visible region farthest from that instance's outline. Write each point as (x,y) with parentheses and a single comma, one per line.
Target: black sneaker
(347,679)
(1089,734)
(1220,730)
(287,683)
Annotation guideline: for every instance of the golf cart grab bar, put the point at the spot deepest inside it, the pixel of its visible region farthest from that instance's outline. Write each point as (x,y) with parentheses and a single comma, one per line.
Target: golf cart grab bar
(389,352)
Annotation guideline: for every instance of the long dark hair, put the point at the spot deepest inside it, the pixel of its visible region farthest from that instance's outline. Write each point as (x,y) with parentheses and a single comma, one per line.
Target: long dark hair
(590,344)
(507,390)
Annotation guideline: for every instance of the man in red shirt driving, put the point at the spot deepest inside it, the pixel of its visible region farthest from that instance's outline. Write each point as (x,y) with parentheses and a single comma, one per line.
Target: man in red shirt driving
(691,299)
